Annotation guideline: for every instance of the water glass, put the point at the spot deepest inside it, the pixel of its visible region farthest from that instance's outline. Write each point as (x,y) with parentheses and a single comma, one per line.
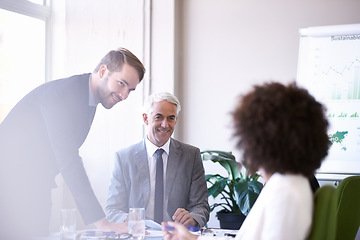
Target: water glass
(68,224)
(137,222)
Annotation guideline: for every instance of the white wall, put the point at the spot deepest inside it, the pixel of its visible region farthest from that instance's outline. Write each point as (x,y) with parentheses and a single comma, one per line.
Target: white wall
(228,46)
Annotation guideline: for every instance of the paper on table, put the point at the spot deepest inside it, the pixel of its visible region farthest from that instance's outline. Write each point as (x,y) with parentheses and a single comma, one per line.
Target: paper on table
(154,233)
(152,225)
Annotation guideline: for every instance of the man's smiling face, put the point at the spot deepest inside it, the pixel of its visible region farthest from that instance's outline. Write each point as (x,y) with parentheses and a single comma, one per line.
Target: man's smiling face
(116,86)
(160,122)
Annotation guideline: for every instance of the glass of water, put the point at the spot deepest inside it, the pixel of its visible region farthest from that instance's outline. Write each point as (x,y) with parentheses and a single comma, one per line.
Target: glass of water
(68,224)
(137,222)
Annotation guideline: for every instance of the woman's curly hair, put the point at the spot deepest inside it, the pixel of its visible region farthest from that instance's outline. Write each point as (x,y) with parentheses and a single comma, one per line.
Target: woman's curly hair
(281,129)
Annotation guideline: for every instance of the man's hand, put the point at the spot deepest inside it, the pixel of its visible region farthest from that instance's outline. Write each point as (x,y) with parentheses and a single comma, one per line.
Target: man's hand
(106,226)
(182,216)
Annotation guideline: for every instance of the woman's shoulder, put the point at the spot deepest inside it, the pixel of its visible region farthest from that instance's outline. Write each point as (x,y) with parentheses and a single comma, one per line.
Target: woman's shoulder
(289,186)
(287,179)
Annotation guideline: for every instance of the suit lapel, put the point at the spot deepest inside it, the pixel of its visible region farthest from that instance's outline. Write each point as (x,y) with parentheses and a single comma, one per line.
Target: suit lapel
(142,166)
(172,165)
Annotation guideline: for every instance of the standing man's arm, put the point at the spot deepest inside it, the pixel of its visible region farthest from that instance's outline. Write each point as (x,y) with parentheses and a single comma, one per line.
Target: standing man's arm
(65,148)
(197,212)
(117,201)
(65,121)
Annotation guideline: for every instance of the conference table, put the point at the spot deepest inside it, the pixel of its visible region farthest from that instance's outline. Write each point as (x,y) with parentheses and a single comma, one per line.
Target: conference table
(152,234)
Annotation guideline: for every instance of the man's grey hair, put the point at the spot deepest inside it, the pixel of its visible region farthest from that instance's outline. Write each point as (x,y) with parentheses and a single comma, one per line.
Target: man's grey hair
(161,96)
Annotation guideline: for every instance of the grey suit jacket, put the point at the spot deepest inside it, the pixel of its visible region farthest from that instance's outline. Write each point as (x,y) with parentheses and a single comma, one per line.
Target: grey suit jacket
(185,185)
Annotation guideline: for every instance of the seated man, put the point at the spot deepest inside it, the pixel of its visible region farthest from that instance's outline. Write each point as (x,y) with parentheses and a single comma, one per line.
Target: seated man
(179,191)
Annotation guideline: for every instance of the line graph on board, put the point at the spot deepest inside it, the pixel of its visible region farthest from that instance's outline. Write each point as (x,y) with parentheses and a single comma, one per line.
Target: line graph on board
(345,82)
(341,72)
(336,63)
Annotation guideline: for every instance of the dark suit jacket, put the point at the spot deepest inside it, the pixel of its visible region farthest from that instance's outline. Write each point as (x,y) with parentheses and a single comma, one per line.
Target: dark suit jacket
(185,185)
(41,137)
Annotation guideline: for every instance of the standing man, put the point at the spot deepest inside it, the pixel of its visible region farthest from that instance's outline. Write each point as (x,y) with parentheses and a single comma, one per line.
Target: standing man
(183,192)
(41,137)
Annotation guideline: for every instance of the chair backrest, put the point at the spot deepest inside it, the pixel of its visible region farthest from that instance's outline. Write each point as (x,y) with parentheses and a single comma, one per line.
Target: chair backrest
(348,209)
(324,216)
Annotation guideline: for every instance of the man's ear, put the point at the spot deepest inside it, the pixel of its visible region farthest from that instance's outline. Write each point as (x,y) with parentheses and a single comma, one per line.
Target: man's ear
(145,118)
(102,71)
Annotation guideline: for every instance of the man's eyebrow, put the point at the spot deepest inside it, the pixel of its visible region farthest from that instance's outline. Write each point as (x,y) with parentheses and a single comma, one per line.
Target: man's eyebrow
(127,84)
(123,80)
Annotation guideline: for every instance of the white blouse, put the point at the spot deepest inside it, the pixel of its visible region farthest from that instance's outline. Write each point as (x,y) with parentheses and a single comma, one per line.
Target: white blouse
(282,211)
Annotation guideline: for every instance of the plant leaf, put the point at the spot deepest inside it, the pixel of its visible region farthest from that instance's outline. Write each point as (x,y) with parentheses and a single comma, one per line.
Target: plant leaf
(210,177)
(247,193)
(239,191)
(221,154)
(225,159)
(217,187)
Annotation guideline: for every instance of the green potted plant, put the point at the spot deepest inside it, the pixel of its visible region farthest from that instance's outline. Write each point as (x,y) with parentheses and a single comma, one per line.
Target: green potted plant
(238,191)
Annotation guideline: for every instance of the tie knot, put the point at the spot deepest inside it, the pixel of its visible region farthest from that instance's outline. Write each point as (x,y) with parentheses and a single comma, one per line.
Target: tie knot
(160,151)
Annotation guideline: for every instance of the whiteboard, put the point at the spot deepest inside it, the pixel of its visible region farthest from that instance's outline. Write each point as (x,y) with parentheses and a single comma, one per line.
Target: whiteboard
(329,67)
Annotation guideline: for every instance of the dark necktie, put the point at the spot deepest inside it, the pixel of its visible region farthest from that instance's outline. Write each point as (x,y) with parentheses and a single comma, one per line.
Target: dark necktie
(159,188)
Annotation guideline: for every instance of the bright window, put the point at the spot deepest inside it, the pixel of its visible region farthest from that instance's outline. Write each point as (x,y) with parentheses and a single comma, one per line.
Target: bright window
(41,2)
(22,57)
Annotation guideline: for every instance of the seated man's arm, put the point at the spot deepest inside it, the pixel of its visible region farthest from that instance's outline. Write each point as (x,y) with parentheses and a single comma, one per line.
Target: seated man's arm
(198,206)
(117,200)
(184,217)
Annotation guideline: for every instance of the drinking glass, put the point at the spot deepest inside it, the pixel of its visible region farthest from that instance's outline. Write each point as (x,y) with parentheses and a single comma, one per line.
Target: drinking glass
(137,222)
(68,224)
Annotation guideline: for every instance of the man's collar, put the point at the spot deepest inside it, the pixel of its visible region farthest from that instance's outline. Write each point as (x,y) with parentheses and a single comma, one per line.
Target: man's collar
(151,148)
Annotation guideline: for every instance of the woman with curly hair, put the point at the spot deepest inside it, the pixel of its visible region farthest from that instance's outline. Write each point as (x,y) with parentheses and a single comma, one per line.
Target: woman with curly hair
(282,132)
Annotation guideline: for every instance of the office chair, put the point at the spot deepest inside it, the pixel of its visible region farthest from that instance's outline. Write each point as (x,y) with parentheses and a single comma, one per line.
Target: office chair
(348,209)
(324,216)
